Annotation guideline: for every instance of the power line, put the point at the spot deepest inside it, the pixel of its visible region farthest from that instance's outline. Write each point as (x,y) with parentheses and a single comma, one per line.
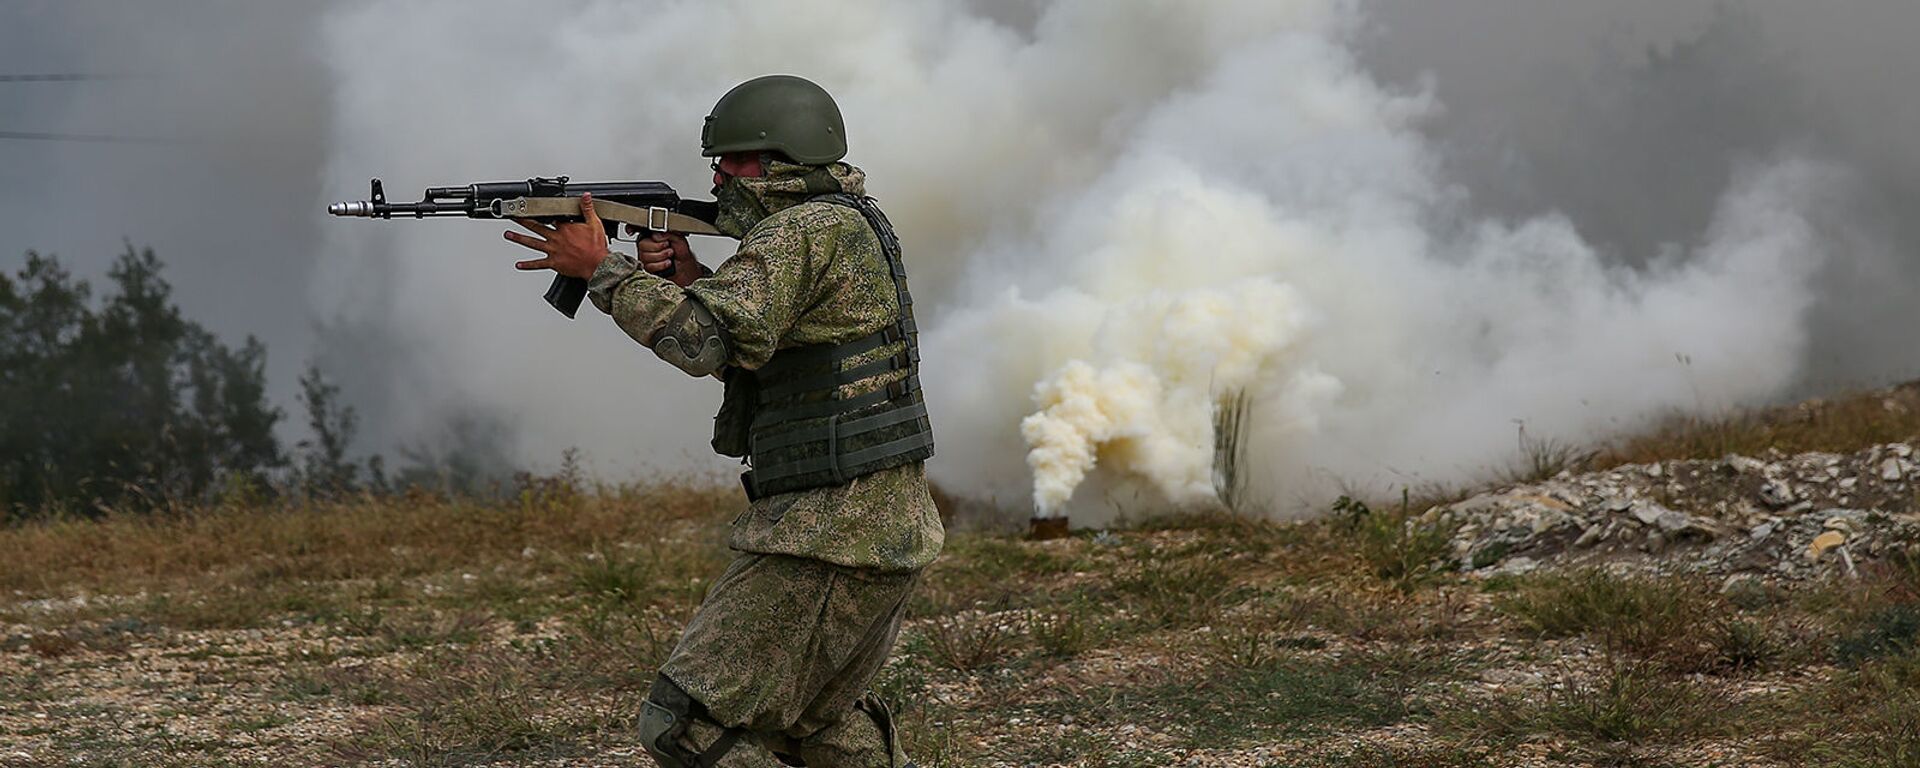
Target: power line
(59,78)
(95,138)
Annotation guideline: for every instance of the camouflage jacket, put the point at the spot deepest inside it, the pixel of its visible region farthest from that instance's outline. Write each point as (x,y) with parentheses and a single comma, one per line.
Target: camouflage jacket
(805,273)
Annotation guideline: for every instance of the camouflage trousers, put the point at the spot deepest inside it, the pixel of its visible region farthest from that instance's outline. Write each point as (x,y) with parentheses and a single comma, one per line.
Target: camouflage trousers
(785,647)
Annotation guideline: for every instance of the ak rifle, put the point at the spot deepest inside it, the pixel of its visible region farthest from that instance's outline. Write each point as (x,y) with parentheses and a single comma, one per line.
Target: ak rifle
(640,207)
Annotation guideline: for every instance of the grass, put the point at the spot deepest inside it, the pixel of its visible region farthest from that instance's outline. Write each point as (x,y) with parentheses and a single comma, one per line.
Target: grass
(1625,705)
(1624,614)
(1844,423)
(433,631)
(1207,633)
(1890,631)
(1395,546)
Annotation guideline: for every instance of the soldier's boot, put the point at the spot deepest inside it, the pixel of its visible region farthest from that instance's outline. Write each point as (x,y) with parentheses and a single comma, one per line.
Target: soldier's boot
(876,708)
(865,738)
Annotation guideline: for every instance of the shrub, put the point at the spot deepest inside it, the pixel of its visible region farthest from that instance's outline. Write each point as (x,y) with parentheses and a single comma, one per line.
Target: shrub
(1625,614)
(1395,546)
(1890,631)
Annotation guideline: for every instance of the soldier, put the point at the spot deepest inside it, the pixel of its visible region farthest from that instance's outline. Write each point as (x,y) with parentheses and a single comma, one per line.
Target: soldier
(810,326)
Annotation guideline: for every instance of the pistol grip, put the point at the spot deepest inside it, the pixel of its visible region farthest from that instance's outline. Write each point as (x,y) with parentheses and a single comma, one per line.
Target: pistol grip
(639,233)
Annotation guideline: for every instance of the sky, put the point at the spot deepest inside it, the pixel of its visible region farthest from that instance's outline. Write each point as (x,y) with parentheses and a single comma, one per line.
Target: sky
(1668,164)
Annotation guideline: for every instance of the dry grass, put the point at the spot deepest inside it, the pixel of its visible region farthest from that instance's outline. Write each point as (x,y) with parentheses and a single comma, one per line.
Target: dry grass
(1839,424)
(431,631)
(367,538)
(1212,634)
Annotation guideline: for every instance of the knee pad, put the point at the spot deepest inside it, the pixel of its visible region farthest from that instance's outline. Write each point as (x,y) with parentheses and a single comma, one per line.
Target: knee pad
(664,718)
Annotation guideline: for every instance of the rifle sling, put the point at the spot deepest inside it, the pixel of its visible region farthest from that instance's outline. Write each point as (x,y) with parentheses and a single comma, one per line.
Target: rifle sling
(643,218)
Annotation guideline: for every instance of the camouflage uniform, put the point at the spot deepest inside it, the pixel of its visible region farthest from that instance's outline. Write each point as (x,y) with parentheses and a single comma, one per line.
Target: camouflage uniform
(789,638)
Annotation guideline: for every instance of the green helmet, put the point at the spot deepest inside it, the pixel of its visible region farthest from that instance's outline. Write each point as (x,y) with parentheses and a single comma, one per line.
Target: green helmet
(787,114)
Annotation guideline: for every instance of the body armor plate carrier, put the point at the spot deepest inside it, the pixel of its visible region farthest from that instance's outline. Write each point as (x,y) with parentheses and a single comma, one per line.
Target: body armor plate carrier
(790,420)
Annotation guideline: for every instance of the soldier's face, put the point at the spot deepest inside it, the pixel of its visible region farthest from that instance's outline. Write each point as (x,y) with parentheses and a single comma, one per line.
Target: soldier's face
(742,164)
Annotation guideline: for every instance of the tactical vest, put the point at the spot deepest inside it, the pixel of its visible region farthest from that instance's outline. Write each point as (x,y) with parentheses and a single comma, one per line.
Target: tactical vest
(789,420)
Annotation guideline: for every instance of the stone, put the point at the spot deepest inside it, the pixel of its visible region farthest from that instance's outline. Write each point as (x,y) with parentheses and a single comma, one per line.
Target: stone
(1509,677)
(1742,465)
(1589,537)
(1901,450)
(1671,521)
(1761,531)
(1655,543)
(1891,470)
(1824,543)
(1776,493)
(1647,514)
(1847,483)
(1655,470)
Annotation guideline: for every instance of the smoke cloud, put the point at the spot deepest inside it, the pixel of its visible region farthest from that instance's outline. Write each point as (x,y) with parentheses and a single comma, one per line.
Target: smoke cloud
(1403,229)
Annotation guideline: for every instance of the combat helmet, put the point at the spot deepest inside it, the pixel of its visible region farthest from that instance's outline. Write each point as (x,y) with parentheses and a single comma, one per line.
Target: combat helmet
(783,113)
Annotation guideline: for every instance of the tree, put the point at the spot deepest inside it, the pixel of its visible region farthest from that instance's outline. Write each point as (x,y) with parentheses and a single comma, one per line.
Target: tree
(324,468)
(127,404)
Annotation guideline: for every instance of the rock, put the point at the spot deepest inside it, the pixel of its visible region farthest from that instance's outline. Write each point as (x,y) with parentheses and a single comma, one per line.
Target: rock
(1901,450)
(1695,530)
(1824,543)
(1776,494)
(1796,513)
(1671,521)
(1891,470)
(1648,514)
(1510,677)
(1657,516)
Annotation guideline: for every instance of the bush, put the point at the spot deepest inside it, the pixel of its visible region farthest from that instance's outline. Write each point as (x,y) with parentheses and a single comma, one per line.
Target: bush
(1394,546)
(1626,704)
(1888,632)
(1625,614)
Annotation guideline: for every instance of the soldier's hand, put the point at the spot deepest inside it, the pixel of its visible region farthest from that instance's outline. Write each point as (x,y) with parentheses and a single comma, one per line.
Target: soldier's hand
(660,249)
(574,249)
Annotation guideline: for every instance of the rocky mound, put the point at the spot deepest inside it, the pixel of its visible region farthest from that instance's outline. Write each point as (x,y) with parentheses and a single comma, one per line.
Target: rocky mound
(1791,517)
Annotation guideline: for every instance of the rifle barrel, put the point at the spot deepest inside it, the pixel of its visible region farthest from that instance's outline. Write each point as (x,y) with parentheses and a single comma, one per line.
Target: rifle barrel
(376,210)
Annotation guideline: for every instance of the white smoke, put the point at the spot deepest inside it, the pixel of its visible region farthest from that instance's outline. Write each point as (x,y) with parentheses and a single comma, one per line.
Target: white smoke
(1111,215)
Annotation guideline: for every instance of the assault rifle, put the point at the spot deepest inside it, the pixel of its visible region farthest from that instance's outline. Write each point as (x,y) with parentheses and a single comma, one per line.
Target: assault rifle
(640,207)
